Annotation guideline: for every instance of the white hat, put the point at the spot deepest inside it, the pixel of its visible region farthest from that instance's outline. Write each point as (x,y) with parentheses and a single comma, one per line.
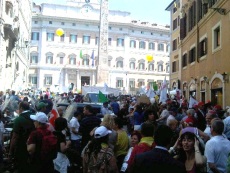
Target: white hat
(101,132)
(40,117)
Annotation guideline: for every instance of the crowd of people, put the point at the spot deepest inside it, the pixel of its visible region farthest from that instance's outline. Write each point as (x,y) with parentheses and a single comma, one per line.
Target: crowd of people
(131,137)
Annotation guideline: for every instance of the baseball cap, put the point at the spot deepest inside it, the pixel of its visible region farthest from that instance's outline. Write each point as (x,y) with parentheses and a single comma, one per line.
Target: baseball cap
(101,132)
(41,105)
(40,117)
(201,104)
(190,130)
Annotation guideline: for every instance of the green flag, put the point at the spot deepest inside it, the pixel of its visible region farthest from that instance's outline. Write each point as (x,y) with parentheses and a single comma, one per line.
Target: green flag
(102,98)
(155,87)
(81,56)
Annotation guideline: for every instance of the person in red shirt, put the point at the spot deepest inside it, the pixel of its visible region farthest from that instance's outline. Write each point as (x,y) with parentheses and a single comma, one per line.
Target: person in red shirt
(146,143)
(34,144)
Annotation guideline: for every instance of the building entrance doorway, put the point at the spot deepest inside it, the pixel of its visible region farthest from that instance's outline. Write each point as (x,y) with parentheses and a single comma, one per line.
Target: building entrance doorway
(217,92)
(85,80)
(217,96)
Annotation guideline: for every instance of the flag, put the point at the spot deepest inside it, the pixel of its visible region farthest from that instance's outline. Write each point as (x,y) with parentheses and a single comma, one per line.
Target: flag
(163,94)
(81,56)
(155,87)
(192,102)
(105,87)
(102,98)
(53,116)
(92,57)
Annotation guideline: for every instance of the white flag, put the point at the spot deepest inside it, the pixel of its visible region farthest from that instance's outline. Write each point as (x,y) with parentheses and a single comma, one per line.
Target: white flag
(192,102)
(105,87)
(163,95)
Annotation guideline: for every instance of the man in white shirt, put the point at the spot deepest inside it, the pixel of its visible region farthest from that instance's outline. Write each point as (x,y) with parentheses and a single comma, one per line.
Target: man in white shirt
(105,109)
(74,127)
(217,149)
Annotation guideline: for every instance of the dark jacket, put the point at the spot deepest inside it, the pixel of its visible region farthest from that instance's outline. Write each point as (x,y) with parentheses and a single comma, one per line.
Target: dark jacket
(86,126)
(157,160)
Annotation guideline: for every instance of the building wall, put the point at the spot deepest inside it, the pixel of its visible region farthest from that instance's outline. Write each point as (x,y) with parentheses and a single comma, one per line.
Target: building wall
(204,75)
(15,30)
(121,26)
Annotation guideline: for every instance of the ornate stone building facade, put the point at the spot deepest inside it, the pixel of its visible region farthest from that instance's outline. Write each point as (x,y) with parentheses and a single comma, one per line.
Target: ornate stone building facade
(73,57)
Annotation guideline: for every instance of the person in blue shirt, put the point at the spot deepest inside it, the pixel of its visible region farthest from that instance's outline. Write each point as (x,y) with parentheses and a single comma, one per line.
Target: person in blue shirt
(115,106)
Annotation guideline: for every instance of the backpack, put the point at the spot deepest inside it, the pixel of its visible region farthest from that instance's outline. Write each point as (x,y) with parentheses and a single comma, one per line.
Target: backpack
(49,147)
(99,163)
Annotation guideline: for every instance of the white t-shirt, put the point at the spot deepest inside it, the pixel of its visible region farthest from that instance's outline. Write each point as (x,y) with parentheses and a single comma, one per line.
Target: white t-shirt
(216,151)
(74,124)
(208,131)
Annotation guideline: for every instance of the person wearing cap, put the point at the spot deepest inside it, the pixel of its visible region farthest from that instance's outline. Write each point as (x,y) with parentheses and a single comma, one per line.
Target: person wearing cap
(34,143)
(217,148)
(200,115)
(190,120)
(41,107)
(22,128)
(49,103)
(190,150)
(99,152)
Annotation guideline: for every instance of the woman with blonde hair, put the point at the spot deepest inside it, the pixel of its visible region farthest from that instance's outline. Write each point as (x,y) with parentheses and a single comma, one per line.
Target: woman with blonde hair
(108,122)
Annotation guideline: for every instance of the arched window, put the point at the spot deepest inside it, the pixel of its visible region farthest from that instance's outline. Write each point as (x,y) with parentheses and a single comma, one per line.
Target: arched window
(151,67)
(141,66)
(33,57)
(85,60)
(72,60)
(120,64)
(167,69)
(160,67)
(49,58)
(151,46)
(132,44)
(60,58)
(160,47)
(132,65)
(142,45)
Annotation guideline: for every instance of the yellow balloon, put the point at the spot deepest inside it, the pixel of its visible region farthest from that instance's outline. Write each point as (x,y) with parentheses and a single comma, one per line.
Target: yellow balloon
(59,32)
(149,58)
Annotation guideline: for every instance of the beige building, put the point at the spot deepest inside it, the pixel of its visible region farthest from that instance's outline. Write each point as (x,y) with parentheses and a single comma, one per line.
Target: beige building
(205,40)
(15,29)
(56,62)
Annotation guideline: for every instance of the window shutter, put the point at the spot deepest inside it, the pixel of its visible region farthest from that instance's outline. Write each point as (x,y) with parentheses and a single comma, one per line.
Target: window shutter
(195,57)
(182,28)
(206,45)
(199,51)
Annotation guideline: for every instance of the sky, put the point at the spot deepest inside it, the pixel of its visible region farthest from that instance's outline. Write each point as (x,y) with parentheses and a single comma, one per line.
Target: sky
(152,11)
